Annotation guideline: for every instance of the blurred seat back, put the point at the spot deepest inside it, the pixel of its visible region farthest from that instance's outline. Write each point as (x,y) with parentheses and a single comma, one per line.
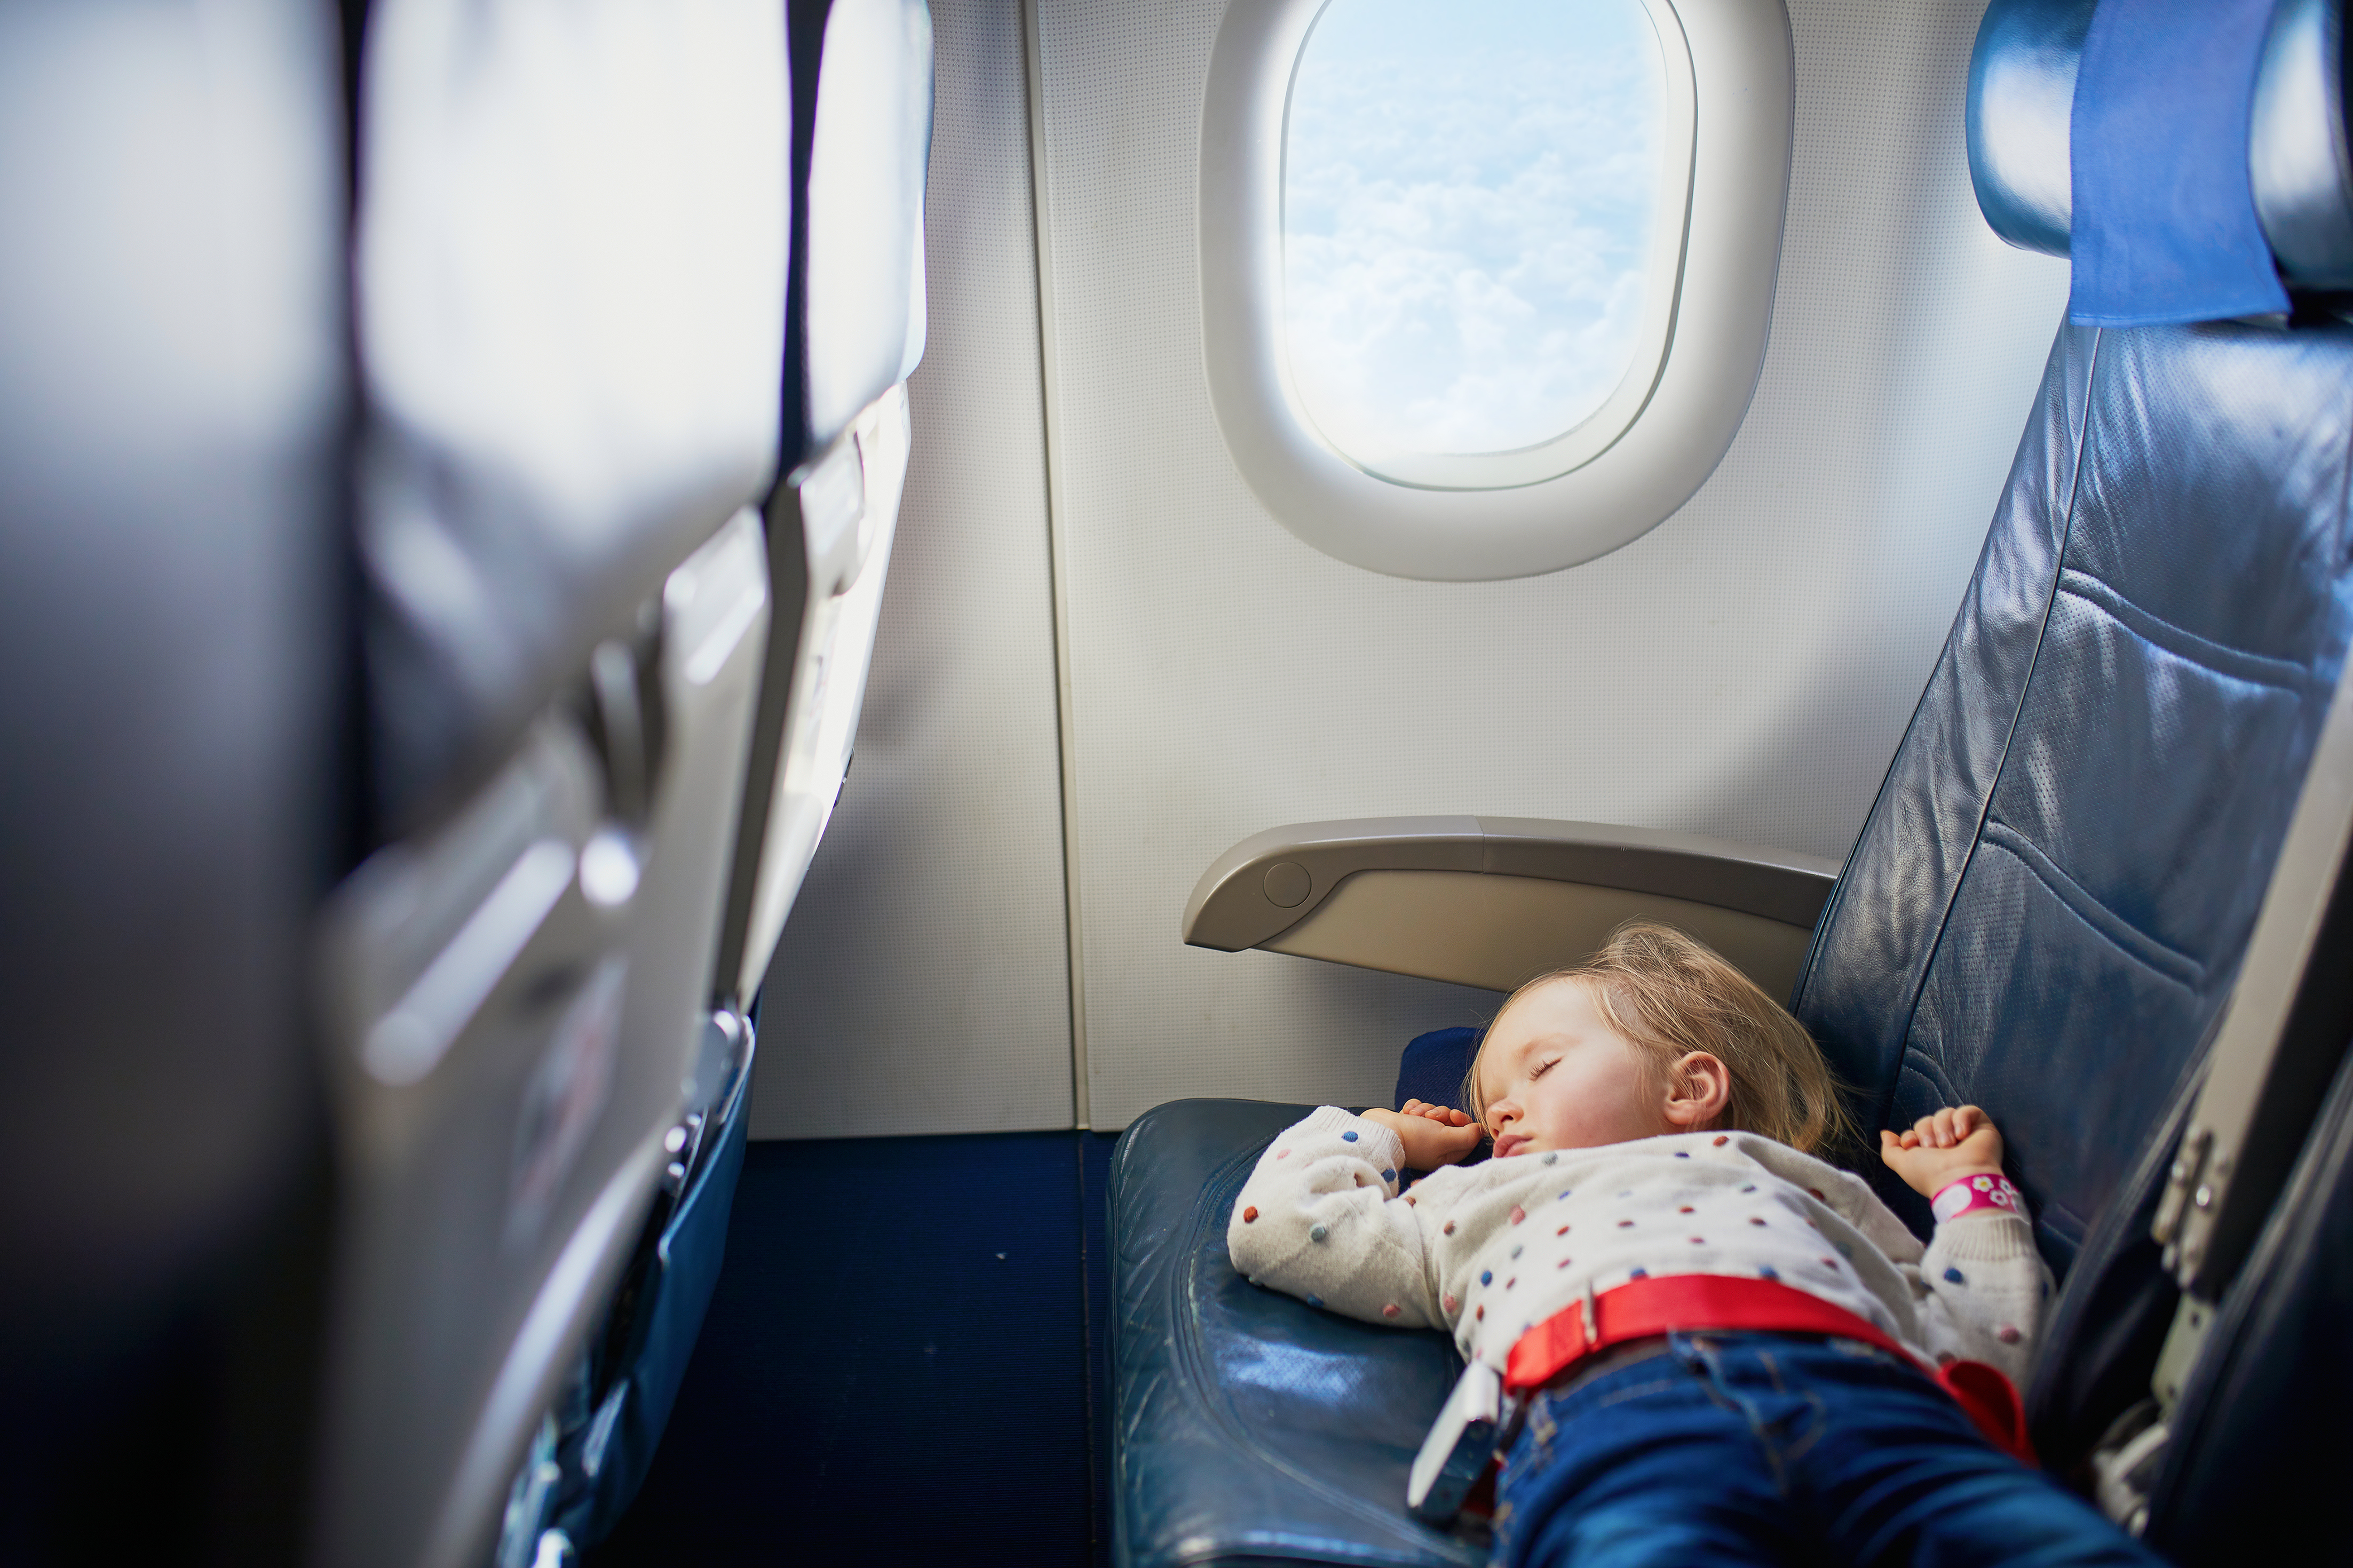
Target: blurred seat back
(854,330)
(571,224)
(571,248)
(174,395)
(861,147)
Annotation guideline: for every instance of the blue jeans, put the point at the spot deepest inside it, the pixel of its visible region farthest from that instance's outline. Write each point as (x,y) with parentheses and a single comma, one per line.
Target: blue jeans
(1756,1447)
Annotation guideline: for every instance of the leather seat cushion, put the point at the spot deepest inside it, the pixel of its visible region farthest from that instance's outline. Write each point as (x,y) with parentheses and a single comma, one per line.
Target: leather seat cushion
(1251,1427)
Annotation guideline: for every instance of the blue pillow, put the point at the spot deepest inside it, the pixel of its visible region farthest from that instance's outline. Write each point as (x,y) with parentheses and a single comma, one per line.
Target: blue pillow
(1433,1067)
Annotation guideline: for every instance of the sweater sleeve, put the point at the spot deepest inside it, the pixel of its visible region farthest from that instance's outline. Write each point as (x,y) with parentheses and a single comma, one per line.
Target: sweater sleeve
(1984,1292)
(1321,1218)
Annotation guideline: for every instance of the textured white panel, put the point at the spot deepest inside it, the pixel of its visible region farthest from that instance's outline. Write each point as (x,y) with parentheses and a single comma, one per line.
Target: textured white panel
(1745,669)
(920,985)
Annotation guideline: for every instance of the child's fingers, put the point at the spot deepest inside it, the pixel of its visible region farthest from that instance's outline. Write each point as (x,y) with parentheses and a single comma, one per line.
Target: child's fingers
(1952,1126)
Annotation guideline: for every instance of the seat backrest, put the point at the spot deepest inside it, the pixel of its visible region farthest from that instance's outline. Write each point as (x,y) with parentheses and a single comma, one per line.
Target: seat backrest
(2050,899)
(572,229)
(862,297)
(174,394)
(853,333)
(568,320)
(731,789)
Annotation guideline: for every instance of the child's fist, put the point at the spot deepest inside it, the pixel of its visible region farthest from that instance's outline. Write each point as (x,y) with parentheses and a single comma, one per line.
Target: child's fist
(1434,1135)
(1957,1142)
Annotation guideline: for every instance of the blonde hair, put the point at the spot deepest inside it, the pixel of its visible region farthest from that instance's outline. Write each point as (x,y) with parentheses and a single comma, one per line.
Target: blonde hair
(1668,996)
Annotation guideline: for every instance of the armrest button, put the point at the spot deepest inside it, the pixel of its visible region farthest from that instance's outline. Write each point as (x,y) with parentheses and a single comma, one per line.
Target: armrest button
(1287,884)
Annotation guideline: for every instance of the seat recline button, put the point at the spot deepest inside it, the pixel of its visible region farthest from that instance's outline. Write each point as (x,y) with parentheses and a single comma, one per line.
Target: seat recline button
(1288,884)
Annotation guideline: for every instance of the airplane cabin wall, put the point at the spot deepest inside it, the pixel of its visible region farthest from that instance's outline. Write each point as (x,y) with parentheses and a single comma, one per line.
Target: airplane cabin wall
(1744,670)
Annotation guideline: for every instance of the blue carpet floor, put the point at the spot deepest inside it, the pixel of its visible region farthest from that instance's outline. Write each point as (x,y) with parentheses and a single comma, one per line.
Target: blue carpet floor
(903,1362)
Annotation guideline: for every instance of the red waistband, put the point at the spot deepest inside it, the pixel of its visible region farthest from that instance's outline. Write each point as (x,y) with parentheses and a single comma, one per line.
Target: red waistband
(1641,1308)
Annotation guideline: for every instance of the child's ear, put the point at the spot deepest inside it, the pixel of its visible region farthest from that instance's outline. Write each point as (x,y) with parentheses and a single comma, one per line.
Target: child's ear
(1699,1090)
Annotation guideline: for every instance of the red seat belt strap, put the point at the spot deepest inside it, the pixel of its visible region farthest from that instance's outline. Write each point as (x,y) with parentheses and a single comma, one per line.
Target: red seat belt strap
(1641,1308)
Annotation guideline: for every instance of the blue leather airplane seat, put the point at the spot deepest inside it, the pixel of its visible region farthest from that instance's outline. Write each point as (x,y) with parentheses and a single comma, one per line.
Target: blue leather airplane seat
(2047,904)
(2045,908)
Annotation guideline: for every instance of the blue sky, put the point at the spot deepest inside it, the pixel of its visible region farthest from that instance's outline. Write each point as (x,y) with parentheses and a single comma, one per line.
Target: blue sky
(1468,205)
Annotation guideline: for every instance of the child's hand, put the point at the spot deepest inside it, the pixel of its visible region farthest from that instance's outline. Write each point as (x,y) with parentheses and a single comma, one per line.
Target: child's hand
(1945,1147)
(1434,1135)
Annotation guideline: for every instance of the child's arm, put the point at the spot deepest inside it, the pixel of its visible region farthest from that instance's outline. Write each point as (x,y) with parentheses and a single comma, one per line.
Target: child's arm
(1434,1135)
(1321,1219)
(1985,1286)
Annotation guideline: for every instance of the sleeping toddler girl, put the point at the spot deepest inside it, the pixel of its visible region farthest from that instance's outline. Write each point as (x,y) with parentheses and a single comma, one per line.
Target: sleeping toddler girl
(1722,1342)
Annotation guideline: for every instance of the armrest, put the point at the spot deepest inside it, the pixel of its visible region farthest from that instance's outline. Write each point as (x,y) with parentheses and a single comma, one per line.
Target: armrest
(1491,901)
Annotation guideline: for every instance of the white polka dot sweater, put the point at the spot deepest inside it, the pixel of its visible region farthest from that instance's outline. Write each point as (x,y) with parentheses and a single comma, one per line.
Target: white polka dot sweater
(1489,1250)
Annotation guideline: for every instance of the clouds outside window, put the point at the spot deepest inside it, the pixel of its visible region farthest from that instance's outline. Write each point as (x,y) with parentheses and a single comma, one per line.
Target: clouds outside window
(1469,200)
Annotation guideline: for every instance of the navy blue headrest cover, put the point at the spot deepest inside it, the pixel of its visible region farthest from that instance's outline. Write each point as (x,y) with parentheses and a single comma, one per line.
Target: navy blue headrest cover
(2190,153)
(2164,227)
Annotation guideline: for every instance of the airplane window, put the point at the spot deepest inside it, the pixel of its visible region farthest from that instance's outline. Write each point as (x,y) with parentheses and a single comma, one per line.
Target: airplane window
(1482,294)
(1481,236)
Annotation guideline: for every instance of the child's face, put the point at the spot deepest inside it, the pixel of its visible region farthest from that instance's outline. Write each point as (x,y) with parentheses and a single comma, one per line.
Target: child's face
(1555,1075)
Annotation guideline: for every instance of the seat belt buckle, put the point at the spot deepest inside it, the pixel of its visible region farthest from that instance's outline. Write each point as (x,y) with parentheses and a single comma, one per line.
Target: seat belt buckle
(1460,1454)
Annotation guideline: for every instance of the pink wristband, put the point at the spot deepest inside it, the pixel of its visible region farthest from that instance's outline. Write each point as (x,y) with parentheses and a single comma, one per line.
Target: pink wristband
(1969,1193)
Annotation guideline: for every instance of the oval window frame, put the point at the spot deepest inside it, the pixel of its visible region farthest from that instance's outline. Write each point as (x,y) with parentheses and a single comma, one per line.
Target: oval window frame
(1495,515)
